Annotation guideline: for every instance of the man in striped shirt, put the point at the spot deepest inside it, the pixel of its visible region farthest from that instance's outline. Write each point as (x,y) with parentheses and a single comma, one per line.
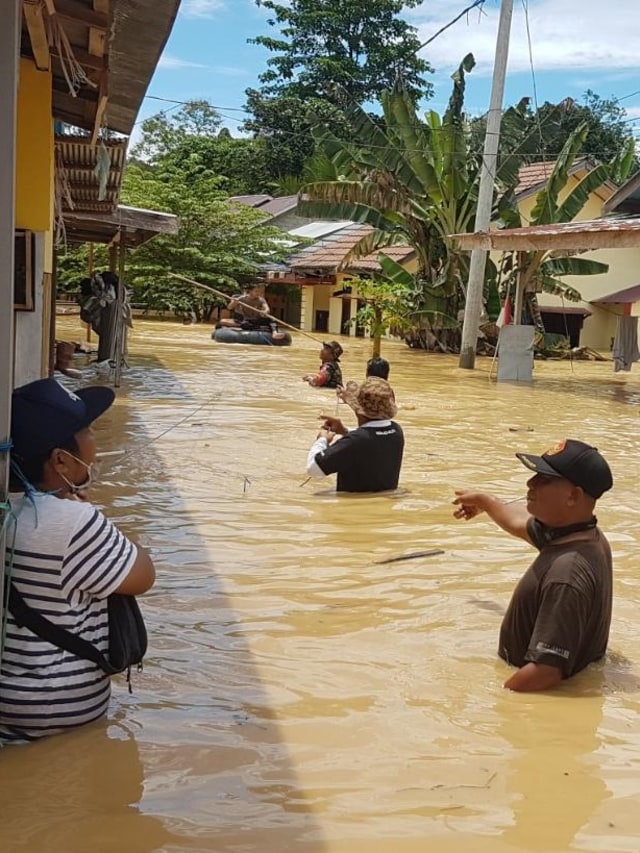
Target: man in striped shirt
(67,558)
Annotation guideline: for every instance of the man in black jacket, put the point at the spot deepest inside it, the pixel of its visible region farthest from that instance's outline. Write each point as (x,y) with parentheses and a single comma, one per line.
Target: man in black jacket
(366,459)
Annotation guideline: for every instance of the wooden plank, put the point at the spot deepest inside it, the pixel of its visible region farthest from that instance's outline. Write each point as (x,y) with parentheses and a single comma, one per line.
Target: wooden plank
(97,37)
(72,10)
(103,98)
(37,34)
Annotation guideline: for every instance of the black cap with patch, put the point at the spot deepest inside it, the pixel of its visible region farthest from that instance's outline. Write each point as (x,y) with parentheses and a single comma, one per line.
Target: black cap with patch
(577,462)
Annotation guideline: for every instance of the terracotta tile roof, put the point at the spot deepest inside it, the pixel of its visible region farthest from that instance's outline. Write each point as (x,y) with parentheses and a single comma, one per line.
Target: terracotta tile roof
(329,253)
(532,175)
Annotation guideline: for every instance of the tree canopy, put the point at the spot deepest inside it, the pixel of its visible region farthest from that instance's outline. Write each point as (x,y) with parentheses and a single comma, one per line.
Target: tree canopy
(361,47)
(330,55)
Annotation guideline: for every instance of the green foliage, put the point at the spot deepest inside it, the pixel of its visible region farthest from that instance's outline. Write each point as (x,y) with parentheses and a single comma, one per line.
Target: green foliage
(608,131)
(361,47)
(192,141)
(72,265)
(415,181)
(330,55)
(218,243)
(282,126)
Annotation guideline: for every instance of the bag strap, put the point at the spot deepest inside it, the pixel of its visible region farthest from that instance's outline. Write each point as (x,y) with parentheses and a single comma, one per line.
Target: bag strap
(54,634)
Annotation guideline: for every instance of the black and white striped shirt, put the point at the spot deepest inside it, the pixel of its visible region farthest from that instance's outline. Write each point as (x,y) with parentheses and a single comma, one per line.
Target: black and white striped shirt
(67,559)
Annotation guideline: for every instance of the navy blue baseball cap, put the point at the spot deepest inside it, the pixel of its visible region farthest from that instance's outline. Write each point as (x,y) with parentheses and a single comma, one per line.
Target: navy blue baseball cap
(45,415)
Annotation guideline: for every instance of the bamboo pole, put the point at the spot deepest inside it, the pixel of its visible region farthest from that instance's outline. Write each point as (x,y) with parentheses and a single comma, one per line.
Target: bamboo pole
(257,310)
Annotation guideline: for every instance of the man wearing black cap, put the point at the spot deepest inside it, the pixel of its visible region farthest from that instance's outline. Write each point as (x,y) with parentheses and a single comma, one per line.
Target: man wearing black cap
(560,612)
(65,560)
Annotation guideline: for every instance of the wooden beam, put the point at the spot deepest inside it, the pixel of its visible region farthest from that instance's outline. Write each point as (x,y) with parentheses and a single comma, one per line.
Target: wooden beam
(103,97)
(72,10)
(97,37)
(86,59)
(37,33)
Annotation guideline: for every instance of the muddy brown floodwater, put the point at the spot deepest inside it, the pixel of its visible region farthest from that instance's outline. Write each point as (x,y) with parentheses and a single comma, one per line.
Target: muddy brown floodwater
(299,697)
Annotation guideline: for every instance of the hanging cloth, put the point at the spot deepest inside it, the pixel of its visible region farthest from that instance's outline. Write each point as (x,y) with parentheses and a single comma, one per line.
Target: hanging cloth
(625,346)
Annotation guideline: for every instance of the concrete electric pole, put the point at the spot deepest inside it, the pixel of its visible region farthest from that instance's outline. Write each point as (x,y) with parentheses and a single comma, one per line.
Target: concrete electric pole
(473,306)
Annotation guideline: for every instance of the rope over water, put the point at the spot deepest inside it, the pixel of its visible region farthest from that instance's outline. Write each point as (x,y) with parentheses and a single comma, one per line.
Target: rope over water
(257,310)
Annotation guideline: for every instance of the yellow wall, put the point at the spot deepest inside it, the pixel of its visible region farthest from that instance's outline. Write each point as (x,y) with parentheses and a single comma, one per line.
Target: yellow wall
(34,149)
(624,271)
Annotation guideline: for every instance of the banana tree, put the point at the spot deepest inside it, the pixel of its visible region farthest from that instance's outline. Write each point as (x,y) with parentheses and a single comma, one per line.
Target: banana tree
(415,181)
(542,271)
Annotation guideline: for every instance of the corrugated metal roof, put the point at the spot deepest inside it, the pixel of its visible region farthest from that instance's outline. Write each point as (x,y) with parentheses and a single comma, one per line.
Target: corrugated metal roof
(76,160)
(316,230)
(576,236)
(252,200)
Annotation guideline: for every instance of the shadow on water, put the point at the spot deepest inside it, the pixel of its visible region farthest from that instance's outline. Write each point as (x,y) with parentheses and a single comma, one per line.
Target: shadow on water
(193,759)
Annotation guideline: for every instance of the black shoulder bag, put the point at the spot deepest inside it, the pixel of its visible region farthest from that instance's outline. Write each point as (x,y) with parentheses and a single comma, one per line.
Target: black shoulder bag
(127,633)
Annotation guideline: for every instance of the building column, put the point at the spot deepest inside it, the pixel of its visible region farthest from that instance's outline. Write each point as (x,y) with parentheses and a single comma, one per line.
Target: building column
(306,308)
(9,55)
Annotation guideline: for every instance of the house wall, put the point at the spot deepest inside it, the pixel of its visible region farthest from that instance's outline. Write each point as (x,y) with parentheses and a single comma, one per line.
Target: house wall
(624,271)
(34,212)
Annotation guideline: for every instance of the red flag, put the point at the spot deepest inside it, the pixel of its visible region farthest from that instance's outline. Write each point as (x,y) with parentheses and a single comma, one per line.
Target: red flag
(505,317)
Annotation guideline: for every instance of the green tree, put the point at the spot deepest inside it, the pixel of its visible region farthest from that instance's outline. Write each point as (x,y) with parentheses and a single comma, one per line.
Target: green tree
(330,54)
(608,131)
(164,132)
(192,140)
(360,47)
(415,181)
(218,243)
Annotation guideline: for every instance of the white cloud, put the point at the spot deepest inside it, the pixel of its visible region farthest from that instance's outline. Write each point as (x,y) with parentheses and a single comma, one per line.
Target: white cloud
(201,8)
(171,63)
(566,35)
(175,63)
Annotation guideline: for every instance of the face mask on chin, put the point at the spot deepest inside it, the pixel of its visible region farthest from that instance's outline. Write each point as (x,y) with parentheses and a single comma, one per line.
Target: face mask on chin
(77,488)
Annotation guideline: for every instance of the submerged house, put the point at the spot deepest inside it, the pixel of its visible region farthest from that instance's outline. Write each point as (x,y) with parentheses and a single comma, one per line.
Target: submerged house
(592,321)
(325,273)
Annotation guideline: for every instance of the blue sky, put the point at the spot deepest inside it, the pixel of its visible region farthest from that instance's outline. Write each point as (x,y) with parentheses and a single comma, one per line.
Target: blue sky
(576,45)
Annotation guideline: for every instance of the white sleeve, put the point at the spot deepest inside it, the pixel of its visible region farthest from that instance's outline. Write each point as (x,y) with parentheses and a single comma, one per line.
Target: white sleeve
(98,558)
(318,446)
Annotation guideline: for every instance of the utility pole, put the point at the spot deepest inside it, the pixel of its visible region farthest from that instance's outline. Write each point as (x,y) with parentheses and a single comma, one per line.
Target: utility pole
(473,305)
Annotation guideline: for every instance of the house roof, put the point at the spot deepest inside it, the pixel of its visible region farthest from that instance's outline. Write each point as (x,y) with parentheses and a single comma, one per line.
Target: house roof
(280,205)
(329,254)
(77,180)
(110,48)
(626,199)
(268,204)
(533,177)
(614,233)
(252,200)
(552,303)
(628,294)
(315,230)
(103,227)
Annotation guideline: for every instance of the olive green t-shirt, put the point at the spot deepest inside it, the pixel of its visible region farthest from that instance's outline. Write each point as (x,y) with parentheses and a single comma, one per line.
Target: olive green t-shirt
(560,611)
